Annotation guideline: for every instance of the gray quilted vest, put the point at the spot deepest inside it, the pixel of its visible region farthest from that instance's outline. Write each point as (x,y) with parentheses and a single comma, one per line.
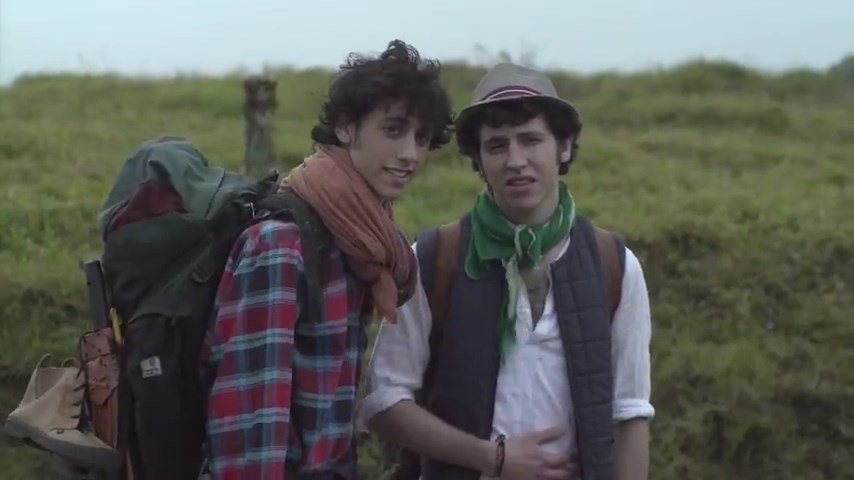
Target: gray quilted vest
(468,361)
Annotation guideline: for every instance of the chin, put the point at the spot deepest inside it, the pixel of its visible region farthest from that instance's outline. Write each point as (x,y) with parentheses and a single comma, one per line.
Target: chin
(390,194)
(523,203)
(384,191)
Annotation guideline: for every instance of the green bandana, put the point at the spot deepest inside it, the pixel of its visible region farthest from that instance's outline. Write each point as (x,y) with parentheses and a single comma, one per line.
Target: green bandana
(493,237)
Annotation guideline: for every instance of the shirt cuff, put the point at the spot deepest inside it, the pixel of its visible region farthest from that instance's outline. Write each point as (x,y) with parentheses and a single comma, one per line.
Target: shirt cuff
(378,401)
(629,408)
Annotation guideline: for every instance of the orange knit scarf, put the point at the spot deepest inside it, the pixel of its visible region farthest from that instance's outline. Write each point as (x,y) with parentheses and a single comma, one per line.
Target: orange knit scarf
(361,224)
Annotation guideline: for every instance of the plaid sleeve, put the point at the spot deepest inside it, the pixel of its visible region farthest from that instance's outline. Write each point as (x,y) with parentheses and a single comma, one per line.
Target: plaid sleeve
(251,349)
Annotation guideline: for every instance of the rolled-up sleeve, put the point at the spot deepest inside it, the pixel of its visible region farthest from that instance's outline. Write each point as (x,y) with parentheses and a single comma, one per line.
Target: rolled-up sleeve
(399,357)
(631,334)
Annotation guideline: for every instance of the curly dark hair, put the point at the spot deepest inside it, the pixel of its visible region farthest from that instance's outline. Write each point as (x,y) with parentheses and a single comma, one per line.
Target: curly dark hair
(516,112)
(364,83)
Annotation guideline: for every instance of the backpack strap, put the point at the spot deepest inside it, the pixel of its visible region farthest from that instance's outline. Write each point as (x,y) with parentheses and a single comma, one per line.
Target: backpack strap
(315,238)
(438,260)
(438,251)
(612,257)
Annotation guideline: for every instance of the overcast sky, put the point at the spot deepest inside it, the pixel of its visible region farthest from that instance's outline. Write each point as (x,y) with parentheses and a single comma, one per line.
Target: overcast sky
(212,36)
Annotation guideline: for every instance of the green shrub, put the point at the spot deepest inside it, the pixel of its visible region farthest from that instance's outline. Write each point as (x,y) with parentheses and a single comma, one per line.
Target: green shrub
(731,185)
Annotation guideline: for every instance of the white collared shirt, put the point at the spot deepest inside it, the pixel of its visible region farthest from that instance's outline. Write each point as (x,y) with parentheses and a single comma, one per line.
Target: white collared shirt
(533,390)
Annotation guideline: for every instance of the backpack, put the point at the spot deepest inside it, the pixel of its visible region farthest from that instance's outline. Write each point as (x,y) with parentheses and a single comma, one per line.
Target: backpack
(438,259)
(168,225)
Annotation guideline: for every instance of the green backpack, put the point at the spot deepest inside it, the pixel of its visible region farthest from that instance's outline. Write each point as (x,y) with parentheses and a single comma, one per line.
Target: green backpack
(168,226)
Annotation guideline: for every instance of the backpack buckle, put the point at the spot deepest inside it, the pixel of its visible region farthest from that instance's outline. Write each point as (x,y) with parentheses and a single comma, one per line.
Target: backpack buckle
(256,214)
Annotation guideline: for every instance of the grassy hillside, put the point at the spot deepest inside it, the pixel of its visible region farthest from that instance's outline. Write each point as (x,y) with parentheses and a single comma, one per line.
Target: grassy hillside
(730,185)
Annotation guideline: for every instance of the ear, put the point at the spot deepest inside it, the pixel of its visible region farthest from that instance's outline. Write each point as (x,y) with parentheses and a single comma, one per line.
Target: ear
(565,151)
(345,133)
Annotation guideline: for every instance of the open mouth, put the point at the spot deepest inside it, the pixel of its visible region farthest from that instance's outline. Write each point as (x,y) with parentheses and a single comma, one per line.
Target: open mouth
(399,172)
(519,181)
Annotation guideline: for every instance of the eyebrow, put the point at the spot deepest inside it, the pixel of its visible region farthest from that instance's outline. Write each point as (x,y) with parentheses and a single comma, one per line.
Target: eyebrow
(495,140)
(397,119)
(530,133)
(505,137)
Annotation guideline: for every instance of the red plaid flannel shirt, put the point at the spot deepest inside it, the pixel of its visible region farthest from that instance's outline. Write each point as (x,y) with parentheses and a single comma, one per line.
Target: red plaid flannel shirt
(282,396)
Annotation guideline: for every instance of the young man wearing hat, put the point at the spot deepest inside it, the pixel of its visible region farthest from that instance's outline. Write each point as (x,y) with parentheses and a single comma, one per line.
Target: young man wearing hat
(524,352)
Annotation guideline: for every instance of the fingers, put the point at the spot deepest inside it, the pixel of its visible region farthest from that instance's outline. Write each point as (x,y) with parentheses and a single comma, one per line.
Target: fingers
(560,474)
(552,433)
(558,460)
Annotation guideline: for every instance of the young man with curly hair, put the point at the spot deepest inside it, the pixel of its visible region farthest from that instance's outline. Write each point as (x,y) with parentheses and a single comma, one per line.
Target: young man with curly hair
(283,392)
(542,368)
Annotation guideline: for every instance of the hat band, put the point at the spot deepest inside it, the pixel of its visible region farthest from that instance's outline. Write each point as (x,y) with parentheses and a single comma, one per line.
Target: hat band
(510,91)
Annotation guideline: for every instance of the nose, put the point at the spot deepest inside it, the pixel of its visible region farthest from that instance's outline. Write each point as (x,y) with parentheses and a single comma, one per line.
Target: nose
(408,151)
(516,157)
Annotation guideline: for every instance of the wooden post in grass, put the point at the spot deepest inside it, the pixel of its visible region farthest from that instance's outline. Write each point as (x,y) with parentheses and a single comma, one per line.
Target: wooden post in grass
(259,108)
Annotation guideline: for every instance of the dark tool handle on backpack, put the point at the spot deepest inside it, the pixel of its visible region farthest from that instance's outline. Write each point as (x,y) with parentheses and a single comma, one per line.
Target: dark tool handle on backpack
(96,293)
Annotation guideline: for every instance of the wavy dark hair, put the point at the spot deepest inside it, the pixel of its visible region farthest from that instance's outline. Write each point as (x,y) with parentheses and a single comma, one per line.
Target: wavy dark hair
(517,112)
(399,73)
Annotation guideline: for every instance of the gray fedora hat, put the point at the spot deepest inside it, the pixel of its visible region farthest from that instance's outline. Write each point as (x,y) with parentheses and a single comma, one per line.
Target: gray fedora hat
(508,81)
